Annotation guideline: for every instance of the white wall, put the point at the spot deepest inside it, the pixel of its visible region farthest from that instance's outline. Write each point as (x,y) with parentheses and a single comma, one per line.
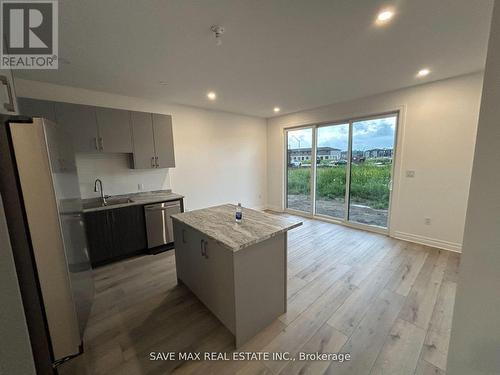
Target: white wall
(436,139)
(220,156)
(116,175)
(475,334)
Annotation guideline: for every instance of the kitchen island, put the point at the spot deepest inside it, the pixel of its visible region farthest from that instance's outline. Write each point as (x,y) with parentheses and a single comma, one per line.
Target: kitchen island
(238,270)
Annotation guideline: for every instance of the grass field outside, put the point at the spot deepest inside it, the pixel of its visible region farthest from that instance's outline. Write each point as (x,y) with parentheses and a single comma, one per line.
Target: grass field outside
(369,182)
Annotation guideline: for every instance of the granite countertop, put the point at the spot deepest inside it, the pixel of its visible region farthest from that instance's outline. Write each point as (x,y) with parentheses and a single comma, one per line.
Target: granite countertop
(219,224)
(135,199)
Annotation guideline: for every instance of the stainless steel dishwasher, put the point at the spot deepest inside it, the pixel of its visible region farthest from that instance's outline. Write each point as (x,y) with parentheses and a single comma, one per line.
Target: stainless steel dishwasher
(159,223)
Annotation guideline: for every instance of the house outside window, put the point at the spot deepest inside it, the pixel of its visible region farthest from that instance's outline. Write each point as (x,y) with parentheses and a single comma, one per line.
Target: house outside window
(324,153)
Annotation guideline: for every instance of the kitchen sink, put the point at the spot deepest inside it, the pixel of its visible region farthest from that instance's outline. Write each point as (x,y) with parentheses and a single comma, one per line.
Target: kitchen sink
(112,201)
(109,202)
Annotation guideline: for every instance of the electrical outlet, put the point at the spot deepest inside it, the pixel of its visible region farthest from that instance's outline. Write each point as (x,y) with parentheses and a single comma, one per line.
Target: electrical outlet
(427,221)
(410,173)
(140,187)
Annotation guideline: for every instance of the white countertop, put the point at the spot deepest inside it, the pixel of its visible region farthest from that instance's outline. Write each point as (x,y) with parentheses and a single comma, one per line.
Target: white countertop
(136,199)
(219,224)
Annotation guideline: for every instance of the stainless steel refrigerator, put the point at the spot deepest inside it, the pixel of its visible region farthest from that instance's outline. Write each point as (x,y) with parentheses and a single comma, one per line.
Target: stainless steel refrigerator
(38,156)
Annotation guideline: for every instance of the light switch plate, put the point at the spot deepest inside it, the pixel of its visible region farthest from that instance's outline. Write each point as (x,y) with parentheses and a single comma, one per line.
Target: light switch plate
(410,173)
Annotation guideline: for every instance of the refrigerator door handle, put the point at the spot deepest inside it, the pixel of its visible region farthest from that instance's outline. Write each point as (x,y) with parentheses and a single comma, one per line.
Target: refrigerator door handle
(9,106)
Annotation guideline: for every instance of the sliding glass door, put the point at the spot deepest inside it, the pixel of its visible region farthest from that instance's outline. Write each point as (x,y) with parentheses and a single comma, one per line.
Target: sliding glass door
(342,171)
(299,161)
(331,168)
(371,170)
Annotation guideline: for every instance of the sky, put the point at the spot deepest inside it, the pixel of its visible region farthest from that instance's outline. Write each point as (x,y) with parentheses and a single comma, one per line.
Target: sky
(367,134)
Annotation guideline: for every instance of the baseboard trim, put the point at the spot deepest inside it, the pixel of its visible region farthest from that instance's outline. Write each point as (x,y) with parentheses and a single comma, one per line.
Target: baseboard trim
(422,240)
(440,244)
(258,208)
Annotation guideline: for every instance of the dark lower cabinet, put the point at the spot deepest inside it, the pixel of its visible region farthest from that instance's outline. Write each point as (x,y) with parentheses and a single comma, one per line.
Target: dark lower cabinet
(129,230)
(98,225)
(115,233)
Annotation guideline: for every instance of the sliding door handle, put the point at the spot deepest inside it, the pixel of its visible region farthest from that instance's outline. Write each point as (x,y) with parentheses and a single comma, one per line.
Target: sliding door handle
(156,162)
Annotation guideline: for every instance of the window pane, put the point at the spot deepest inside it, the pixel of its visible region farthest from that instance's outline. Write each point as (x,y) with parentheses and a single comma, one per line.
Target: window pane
(371,168)
(331,154)
(299,169)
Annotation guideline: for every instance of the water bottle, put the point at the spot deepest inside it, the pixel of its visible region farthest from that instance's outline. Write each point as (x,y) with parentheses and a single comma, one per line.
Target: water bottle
(239,213)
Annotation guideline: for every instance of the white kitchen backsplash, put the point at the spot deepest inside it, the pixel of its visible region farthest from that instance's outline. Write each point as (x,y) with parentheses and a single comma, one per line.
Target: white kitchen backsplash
(116,175)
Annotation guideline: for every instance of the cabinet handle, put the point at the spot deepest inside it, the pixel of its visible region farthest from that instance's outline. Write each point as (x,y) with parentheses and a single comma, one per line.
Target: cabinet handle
(96,143)
(204,249)
(156,162)
(153,162)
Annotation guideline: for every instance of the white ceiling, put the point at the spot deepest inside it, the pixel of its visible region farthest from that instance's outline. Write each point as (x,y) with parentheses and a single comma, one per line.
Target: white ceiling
(287,53)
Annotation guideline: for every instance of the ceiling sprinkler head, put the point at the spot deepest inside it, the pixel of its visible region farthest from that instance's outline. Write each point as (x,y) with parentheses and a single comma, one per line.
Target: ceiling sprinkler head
(218,30)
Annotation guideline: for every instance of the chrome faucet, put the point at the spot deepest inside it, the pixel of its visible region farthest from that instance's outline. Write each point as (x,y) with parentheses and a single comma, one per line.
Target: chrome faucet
(103,197)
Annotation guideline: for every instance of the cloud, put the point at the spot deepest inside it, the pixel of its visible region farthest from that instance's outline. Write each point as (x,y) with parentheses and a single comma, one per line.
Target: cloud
(336,136)
(378,133)
(367,134)
(300,138)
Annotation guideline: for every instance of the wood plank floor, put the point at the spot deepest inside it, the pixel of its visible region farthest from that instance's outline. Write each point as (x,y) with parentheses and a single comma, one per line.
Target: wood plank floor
(387,302)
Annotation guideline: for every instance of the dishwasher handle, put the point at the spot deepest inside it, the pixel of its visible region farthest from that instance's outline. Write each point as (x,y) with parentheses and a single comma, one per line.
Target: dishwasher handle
(157,208)
(162,206)
(159,226)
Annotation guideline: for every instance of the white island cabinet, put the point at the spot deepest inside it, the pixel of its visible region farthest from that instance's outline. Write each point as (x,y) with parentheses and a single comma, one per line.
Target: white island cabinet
(238,270)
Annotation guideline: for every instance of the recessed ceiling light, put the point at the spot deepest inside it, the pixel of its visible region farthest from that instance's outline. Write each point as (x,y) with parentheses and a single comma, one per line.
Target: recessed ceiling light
(385,16)
(163,83)
(276,109)
(423,72)
(212,95)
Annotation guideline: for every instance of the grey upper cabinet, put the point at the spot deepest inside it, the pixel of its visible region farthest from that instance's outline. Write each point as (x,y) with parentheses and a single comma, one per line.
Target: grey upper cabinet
(164,141)
(115,133)
(80,121)
(61,151)
(62,158)
(142,134)
(153,140)
(97,129)
(37,108)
